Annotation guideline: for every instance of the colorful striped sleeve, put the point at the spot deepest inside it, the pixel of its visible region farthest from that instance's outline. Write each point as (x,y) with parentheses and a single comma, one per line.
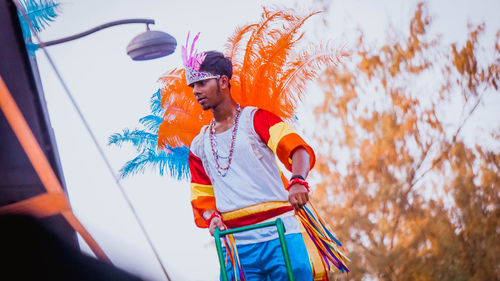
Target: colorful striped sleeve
(280,137)
(202,191)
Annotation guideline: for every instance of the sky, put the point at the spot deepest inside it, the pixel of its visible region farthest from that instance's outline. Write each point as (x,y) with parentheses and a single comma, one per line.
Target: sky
(113,92)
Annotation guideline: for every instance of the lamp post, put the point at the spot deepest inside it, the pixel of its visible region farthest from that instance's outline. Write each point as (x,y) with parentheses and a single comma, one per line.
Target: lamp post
(145,46)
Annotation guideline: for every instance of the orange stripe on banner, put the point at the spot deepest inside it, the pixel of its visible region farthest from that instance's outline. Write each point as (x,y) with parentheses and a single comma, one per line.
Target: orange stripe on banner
(44,205)
(75,223)
(27,140)
(40,205)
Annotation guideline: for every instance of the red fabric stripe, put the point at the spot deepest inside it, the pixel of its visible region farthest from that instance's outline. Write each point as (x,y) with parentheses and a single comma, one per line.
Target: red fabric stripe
(198,174)
(262,121)
(256,218)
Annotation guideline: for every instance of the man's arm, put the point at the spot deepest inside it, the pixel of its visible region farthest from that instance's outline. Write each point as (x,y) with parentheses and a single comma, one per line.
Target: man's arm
(297,156)
(280,138)
(298,195)
(202,193)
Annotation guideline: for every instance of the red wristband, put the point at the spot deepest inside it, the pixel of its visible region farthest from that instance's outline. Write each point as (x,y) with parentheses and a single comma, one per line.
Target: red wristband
(299,181)
(214,214)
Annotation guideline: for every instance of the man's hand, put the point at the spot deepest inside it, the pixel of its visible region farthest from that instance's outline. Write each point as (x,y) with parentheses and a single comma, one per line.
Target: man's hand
(215,222)
(298,196)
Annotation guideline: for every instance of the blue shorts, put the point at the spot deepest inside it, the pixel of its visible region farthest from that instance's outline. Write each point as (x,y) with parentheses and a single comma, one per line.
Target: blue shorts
(264,260)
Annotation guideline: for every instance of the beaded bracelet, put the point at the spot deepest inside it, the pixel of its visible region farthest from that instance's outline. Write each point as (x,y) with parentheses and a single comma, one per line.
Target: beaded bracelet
(299,181)
(214,214)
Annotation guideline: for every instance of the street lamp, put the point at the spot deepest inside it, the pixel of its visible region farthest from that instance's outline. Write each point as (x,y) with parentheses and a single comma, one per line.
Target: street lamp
(145,46)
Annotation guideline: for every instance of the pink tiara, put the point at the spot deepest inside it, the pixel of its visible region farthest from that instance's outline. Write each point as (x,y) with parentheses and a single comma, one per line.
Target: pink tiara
(193,62)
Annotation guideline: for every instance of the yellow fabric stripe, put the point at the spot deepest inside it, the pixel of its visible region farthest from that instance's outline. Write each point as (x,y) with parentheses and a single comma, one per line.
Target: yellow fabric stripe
(200,190)
(276,133)
(250,210)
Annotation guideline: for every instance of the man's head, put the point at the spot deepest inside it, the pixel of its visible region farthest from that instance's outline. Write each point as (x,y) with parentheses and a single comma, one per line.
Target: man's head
(214,87)
(208,74)
(217,64)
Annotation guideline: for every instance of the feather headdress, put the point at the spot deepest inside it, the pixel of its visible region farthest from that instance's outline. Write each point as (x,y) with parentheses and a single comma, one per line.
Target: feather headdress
(268,72)
(192,63)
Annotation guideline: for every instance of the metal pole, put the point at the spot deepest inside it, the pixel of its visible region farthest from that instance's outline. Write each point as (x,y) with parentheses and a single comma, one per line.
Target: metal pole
(286,256)
(223,271)
(245,228)
(281,234)
(95,29)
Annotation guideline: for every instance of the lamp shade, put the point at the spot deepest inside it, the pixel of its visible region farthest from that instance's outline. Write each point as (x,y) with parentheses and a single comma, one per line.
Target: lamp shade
(151,44)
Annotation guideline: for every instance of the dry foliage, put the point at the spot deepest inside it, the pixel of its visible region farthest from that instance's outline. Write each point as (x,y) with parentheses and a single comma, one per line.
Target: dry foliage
(409,199)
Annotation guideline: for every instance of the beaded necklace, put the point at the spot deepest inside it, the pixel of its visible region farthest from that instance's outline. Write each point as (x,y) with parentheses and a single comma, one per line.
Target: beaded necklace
(222,171)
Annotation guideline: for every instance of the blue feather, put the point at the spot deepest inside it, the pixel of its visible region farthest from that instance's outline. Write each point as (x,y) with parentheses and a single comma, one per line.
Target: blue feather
(176,163)
(140,139)
(172,160)
(155,104)
(40,13)
(151,122)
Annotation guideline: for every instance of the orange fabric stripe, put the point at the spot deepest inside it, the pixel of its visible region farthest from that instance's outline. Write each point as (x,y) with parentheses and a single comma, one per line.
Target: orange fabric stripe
(200,205)
(45,173)
(287,145)
(283,179)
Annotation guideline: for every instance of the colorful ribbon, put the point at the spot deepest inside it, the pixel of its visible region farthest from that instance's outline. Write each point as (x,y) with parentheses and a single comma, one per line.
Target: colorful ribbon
(232,253)
(329,247)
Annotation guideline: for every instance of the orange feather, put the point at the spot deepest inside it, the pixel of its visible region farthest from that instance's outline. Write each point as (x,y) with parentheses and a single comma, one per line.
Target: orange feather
(183,117)
(266,74)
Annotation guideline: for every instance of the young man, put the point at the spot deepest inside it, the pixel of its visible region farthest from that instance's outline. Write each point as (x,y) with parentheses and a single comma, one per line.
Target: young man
(235,180)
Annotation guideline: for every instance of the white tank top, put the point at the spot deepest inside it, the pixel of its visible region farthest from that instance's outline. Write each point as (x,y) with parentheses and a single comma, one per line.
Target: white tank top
(252,178)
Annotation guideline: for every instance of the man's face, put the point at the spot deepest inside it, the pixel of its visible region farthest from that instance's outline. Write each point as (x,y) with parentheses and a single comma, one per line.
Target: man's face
(207,93)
